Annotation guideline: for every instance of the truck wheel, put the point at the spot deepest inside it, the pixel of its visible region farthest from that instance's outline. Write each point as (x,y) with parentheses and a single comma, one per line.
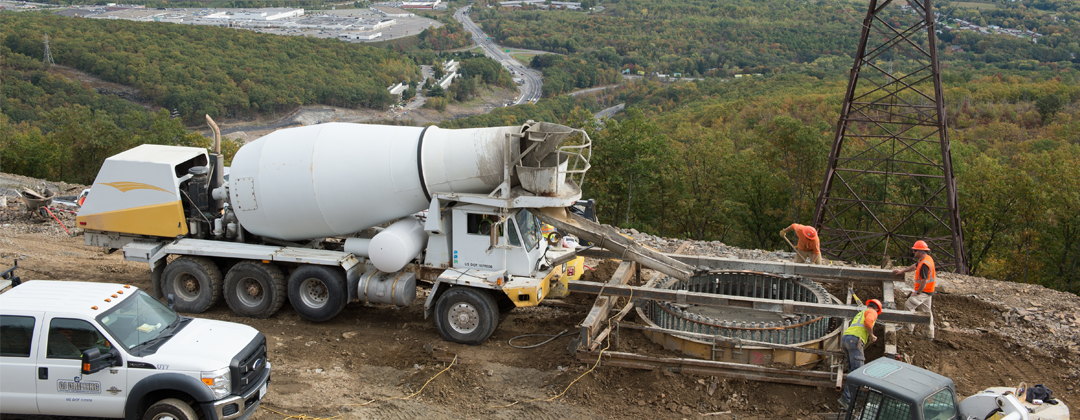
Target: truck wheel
(195,281)
(254,289)
(170,409)
(317,292)
(466,315)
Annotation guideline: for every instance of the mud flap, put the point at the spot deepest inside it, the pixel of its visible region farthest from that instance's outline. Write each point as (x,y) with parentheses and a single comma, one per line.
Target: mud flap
(436,289)
(156,269)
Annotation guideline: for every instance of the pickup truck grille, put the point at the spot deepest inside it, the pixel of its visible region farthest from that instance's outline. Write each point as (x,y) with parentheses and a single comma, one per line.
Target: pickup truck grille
(248,365)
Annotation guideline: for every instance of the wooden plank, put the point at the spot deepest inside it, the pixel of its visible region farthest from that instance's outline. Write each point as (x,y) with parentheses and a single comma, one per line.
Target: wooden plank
(709,368)
(599,312)
(820,273)
(630,305)
(889,301)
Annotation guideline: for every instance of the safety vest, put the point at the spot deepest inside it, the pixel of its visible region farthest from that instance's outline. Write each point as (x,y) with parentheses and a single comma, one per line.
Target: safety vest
(858,325)
(925,285)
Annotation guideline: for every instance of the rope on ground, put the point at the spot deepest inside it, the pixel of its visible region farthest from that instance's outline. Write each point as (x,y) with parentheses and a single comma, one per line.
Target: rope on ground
(595,365)
(411,395)
(299,416)
(553,337)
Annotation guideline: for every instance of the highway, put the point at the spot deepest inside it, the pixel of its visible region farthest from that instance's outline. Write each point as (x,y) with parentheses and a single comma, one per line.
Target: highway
(530,88)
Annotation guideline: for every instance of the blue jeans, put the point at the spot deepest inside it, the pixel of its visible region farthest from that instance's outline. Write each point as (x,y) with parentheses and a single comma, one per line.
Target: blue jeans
(853,347)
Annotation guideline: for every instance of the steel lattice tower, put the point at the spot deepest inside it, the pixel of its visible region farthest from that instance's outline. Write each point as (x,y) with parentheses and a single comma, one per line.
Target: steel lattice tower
(890,178)
(48,52)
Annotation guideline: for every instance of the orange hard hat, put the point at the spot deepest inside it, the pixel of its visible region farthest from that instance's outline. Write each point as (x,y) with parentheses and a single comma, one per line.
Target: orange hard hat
(810,232)
(874,302)
(920,246)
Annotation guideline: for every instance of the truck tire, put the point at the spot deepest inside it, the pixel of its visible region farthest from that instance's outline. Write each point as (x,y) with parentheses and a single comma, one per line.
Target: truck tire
(195,281)
(254,289)
(317,292)
(466,315)
(170,408)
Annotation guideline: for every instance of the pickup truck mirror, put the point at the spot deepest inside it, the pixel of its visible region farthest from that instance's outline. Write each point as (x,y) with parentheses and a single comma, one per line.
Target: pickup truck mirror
(93,361)
(171,298)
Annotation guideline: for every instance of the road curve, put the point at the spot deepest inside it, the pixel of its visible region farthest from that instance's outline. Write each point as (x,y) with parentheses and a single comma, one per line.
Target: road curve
(531,87)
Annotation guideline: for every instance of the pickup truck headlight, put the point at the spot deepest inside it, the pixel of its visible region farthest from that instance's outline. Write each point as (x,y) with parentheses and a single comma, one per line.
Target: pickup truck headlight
(218,381)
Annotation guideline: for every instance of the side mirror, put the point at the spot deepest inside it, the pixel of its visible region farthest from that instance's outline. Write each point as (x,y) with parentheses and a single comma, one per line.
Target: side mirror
(93,361)
(171,298)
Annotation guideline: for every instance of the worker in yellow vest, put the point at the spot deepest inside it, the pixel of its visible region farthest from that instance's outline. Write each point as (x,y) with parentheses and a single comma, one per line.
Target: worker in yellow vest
(857,336)
(921,298)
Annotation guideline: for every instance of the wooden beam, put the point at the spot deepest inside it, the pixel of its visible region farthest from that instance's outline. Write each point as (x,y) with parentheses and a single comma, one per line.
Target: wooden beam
(603,304)
(820,273)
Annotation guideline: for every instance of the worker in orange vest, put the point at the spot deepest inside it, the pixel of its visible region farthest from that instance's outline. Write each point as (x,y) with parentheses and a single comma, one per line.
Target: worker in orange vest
(921,298)
(809,247)
(857,336)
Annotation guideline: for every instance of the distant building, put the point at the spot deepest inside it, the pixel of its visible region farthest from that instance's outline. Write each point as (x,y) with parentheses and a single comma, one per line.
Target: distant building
(391,11)
(397,90)
(420,4)
(268,14)
(363,36)
(542,4)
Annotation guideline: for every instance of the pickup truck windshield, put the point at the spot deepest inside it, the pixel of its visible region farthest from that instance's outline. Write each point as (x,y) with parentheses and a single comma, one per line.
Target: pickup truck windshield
(138,319)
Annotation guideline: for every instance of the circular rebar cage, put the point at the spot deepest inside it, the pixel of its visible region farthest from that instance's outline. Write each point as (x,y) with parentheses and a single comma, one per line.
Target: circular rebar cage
(744,324)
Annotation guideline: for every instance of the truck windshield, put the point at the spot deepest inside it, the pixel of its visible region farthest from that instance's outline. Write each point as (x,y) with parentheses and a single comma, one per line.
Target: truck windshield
(138,319)
(530,229)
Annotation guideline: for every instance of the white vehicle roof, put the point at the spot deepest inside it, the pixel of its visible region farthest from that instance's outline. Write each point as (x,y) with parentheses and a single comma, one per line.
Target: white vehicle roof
(67,296)
(156,153)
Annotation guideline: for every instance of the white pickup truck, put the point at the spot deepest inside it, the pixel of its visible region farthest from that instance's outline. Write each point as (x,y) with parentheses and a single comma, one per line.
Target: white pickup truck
(110,350)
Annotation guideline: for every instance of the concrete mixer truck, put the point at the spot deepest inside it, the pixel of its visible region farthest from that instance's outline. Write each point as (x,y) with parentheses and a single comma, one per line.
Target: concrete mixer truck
(332,213)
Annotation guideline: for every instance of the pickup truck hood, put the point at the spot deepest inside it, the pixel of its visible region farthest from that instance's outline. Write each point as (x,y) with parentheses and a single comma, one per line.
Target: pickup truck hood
(202,345)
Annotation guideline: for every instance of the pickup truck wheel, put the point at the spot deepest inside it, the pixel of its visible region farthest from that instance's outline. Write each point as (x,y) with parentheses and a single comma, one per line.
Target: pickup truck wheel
(254,289)
(466,315)
(170,409)
(195,281)
(317,292)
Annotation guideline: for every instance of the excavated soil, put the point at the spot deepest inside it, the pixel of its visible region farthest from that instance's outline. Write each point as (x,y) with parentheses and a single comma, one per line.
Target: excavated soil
(375,361)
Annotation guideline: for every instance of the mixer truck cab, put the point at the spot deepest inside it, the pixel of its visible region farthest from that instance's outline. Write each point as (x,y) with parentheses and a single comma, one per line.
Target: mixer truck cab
(333,213)
(109,350)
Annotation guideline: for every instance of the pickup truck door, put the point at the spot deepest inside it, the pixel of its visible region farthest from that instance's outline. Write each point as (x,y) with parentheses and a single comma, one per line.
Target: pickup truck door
(19,344)
(62,389)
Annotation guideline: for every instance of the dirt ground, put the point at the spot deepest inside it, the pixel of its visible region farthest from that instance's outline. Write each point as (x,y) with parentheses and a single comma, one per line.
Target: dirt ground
(375,361)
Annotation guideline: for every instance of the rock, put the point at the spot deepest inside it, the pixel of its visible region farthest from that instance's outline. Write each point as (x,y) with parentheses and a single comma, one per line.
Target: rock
(685,411)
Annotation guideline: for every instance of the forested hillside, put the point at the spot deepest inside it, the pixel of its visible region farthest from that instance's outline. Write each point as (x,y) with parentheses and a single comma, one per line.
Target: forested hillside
(58,129)
(199,70)
(737,161)
(723,38)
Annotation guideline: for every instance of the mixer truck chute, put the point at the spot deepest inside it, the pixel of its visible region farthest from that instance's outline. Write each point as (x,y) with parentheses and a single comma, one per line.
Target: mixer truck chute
(331,213)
